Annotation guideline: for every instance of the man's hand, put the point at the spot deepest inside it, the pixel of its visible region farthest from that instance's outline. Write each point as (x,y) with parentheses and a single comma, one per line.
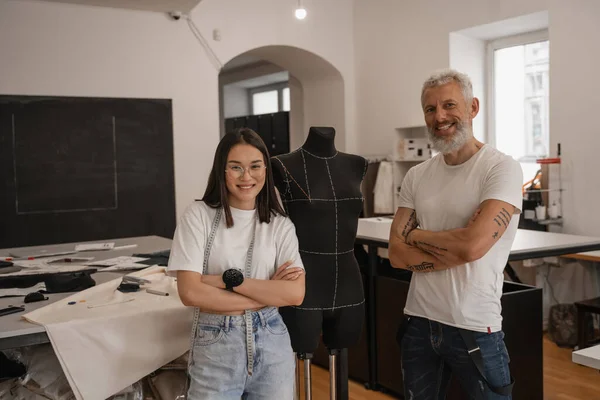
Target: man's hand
(463,245)
(284,273)
(406,223)
(401,253)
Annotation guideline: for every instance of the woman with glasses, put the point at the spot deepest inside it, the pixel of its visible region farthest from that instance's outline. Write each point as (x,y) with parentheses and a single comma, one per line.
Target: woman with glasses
(235,255)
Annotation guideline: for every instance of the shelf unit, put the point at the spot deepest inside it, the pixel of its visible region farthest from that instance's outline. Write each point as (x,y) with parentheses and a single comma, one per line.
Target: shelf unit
(545,166)
(401,166)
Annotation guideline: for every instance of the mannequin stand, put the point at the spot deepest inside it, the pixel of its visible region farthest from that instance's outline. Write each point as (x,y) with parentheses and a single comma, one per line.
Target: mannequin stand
(307,357)
(338,374)
(297,383)
(332,374)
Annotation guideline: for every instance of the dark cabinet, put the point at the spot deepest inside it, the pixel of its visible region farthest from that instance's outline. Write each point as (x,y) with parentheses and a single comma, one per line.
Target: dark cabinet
(274,129)
(391,298)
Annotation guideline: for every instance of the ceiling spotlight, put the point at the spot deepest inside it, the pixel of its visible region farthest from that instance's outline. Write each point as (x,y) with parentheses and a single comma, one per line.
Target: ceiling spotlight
(300,11)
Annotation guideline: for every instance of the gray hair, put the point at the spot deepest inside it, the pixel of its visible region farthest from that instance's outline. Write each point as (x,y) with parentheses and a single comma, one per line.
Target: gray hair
(446,76)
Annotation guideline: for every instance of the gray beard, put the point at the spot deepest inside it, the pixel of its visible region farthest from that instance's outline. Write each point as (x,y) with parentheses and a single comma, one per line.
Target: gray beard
(446,145)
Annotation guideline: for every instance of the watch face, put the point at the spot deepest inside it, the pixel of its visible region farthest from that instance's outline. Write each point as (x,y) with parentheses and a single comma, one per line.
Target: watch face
(233,277)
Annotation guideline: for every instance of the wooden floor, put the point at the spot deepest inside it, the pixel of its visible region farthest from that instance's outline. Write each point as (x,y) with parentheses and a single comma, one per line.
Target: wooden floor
(563,379)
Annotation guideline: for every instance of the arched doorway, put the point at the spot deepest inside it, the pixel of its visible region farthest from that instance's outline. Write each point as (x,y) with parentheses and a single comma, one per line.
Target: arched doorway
(315,89)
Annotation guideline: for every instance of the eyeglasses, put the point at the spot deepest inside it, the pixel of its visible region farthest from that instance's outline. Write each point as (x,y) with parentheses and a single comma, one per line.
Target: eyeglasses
(255,170)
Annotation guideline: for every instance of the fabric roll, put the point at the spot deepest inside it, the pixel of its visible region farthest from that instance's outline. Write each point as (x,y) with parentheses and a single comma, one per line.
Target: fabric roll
(106,340)
(384,189)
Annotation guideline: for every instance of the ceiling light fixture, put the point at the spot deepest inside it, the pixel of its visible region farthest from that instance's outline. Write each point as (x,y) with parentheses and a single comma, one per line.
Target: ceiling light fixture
(300,11)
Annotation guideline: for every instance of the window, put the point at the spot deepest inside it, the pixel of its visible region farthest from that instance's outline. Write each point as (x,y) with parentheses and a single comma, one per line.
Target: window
(519,98)
(265,102)
(286,99)
(270,99)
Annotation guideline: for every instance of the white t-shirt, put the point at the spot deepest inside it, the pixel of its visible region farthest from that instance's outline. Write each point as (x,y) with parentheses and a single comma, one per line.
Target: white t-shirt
(445,197)
(275,242)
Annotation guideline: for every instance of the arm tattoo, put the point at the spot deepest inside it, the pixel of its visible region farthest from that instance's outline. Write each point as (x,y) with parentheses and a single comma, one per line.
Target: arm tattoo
(495,235)
(431,246)
(424,266)
(496,220)
(433,253)
(506,213)
(410,224)
(502,219)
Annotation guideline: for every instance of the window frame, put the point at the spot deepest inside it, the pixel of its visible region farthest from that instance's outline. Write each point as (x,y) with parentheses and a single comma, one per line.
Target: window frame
(267,88)
(491,47)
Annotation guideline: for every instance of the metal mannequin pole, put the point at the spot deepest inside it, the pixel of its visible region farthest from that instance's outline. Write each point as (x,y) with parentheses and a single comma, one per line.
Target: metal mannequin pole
(307,380)
(332,375)
(307,375)
(297,383)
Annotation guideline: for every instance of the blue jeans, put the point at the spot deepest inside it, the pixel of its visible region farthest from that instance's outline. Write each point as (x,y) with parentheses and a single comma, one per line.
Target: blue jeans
(219,368)
(432,352)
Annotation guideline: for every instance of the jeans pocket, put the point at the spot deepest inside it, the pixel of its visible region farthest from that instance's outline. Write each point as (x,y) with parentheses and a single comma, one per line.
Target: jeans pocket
(207,335)
(492,347)
(276,326)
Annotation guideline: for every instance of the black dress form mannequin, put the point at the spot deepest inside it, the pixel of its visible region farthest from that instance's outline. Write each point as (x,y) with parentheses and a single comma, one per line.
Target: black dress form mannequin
(320,190)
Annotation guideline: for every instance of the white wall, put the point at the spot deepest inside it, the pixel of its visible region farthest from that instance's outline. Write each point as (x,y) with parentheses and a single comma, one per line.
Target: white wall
(235,101)
(397,44)
(61,49)
(327,108)
(574,105)
(468,54)
(297,131)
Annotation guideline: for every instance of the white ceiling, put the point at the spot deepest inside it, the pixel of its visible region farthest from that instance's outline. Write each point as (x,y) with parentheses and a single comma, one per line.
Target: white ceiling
(508,27)
(145,5)
(263,80)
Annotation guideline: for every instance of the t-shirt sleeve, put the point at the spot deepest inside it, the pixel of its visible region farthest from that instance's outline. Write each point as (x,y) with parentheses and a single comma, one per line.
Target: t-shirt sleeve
(505,182)
(187,249)
(287,245)
(405,197)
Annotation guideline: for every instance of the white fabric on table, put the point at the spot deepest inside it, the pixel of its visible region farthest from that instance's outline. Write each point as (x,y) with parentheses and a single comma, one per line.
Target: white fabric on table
(114,339)
(384,189)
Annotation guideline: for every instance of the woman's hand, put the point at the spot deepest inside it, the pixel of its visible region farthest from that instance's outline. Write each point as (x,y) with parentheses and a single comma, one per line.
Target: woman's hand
(285,288)
(284,273)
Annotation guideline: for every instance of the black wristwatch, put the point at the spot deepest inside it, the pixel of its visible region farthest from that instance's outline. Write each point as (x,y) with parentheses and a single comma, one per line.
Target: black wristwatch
(232,278)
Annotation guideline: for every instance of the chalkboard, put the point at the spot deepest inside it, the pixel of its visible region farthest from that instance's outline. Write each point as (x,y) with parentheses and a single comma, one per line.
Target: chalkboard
(81,168)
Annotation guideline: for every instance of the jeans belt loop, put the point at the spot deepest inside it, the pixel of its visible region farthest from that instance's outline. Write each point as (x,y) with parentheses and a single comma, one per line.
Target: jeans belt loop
(227,323)
(262,317)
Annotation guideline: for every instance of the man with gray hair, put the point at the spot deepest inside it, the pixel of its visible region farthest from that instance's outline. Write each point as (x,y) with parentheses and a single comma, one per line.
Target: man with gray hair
(454,228)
